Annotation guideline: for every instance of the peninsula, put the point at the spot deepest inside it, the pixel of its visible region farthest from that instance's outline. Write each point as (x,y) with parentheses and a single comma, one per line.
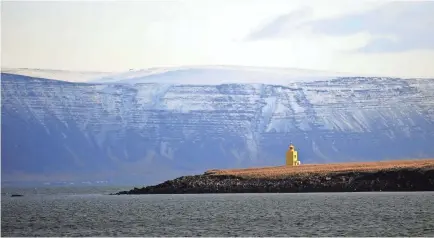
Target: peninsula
(398,175)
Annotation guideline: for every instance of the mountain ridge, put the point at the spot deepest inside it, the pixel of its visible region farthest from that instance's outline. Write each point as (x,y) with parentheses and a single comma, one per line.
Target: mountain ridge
(101,77)
(156,131)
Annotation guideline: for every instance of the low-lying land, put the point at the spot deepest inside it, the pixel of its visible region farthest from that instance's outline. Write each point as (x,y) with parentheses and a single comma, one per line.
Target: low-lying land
(399,175)
(308,169)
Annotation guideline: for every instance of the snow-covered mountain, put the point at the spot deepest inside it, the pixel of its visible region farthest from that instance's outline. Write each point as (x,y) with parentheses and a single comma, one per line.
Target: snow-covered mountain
(70,76)
(214,75)
(156,124)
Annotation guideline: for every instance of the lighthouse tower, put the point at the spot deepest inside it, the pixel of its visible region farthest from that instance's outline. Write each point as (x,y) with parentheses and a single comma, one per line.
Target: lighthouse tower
(291,157)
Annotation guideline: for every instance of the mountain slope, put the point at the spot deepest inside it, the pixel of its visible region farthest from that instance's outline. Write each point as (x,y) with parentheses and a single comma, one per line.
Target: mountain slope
(70,76)
(139,130)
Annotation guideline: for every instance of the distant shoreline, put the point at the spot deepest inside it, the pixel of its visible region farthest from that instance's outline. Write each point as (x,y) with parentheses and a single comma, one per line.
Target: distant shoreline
(405,175)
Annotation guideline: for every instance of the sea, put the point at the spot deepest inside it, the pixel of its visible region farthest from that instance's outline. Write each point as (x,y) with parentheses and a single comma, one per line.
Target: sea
(91,211)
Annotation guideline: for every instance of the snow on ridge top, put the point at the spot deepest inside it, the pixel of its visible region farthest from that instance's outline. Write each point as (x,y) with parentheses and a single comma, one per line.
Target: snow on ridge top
(211,75)
(64,75)
(195,75)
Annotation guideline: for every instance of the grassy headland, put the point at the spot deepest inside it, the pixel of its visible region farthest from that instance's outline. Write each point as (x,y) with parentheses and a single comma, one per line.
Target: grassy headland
(398,175)
(310,169)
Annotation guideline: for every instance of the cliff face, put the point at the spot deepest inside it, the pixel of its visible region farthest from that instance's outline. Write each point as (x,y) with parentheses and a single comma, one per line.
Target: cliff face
(391,180)
(153,130)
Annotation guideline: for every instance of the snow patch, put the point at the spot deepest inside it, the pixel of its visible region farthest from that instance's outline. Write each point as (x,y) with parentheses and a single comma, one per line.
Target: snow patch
(63,75)
(214,75)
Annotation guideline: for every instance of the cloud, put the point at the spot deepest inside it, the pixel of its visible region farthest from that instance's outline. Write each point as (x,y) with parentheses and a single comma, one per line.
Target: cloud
(396,26)
(281,26)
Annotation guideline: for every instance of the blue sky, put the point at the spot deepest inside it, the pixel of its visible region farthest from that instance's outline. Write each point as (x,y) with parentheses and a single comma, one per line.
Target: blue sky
(369,37)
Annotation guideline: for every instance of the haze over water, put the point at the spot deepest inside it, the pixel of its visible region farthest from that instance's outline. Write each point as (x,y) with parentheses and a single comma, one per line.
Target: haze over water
(91,212)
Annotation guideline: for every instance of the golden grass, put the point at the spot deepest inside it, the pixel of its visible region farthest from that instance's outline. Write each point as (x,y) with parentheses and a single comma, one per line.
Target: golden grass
(307,169)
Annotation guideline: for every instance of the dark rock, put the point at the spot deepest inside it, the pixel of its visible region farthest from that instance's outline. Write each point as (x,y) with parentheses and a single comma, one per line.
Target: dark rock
(390,180)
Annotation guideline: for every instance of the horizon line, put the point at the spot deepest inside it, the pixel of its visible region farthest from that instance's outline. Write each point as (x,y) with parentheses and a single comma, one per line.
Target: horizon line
(338,73)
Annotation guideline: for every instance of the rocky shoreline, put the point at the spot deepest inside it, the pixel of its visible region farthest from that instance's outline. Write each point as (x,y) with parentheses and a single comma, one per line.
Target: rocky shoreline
(403,179)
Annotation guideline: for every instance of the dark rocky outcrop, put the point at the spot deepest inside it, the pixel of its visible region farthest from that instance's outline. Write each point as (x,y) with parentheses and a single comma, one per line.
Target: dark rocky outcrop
(408,179)
(16,195)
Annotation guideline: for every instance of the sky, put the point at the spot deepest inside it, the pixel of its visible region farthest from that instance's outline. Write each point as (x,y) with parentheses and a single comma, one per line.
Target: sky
(393,38)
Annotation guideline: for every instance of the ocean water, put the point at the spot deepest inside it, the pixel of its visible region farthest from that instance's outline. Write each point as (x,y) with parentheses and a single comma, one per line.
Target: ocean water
(92,212)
